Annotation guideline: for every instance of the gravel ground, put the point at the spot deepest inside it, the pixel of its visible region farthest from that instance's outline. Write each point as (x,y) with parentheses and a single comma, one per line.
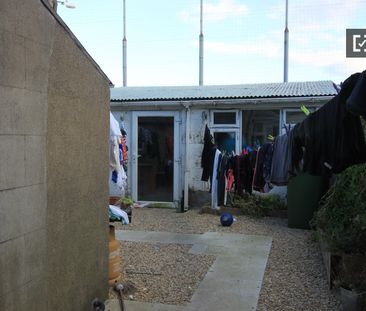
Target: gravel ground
(164,273)
(295,275)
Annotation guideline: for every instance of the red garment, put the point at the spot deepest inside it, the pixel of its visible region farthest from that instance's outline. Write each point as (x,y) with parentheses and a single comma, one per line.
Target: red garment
(230,179)
(124,149)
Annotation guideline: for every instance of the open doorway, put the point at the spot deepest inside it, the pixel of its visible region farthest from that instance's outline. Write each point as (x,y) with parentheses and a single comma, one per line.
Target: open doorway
(155,158)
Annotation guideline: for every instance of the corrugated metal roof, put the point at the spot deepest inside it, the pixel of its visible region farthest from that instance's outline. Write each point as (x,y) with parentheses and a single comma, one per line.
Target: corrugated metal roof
(260,90)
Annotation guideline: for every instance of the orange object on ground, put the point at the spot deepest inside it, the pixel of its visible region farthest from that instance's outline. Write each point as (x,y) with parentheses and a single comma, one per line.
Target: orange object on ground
(114,266)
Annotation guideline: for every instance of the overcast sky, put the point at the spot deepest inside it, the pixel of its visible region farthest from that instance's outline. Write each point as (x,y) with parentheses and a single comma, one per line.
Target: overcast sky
(243,39)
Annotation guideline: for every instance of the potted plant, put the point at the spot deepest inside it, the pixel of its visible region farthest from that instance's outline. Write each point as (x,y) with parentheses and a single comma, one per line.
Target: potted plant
(126,204)
(341,227)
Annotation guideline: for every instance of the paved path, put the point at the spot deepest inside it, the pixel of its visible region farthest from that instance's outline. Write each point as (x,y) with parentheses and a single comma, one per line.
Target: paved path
(234,280)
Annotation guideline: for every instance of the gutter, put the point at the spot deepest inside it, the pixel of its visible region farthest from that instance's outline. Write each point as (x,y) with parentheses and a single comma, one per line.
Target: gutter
(243,103)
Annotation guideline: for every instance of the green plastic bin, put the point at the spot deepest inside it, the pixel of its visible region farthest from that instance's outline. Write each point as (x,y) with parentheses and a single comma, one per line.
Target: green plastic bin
(303,194)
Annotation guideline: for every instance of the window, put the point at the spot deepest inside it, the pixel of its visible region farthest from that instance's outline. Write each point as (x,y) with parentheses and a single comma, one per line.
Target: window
(224,118)
(257,125)
(225,141)
(225,129)
(293,116)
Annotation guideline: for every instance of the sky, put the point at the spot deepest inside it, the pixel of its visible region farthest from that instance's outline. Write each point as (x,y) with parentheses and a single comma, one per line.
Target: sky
(243,40)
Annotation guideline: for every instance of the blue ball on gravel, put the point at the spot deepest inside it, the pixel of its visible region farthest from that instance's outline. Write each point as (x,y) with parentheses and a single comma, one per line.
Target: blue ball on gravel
(226,219)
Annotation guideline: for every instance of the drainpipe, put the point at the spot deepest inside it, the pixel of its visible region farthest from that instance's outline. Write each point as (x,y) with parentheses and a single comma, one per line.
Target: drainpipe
(186,170)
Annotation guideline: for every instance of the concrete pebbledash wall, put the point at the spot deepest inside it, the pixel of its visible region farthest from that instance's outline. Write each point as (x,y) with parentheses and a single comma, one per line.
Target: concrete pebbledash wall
(54,125)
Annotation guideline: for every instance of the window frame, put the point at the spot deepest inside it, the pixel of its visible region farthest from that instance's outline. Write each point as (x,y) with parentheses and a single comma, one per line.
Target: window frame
(228,128)
(232,125)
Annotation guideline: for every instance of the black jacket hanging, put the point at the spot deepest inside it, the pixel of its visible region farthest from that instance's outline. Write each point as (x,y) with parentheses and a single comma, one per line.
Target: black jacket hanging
(356,102)
(263,166)
(207,158)
(332,136)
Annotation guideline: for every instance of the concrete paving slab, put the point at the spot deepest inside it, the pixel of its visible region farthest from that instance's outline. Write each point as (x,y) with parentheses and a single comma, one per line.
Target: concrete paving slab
(156,236)
(234,280)
(114,305)
(137,236)
(226,268)
(198,249)
(234,251)
(174,238)
(233,295)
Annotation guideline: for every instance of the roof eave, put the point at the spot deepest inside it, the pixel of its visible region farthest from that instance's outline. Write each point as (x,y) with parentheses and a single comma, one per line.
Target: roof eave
(264,102)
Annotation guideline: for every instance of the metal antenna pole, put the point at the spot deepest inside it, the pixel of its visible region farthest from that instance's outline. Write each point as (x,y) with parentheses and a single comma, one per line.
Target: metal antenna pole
(124,47)
(286,45)
(201,46)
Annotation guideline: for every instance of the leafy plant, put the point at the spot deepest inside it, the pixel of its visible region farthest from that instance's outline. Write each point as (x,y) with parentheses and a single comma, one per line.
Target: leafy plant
(125,201)
(257,206)
(341,219)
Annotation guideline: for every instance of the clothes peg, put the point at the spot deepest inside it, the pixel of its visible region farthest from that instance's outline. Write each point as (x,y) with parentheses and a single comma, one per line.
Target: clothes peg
(305,110)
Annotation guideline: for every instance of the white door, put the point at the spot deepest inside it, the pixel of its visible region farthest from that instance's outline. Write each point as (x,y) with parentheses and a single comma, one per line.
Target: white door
(156,162)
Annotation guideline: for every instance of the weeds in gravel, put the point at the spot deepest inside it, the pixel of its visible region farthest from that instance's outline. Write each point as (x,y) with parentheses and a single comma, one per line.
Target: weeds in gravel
(159,205)
(256,206)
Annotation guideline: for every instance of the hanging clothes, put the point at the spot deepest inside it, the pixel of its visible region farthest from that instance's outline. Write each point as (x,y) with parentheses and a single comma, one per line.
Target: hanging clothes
(214,183)
(282,159)
(124,149)
(238,187)
(356,102)
(230,178)
(243,168)
(221,180)
(330,139)
(117,173)
(114,159)
(262,171)
(114,129)
(251,158)
(207,155)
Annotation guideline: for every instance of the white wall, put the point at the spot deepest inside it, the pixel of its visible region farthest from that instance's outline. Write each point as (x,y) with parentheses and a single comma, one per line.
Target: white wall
(197,129)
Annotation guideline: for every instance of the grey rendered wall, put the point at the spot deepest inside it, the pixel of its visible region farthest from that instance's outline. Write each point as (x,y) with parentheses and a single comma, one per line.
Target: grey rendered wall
(26,39)
(77,178)
(53,249)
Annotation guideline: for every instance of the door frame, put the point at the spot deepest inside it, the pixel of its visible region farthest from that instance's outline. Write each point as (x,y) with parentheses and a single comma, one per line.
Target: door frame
(177,156)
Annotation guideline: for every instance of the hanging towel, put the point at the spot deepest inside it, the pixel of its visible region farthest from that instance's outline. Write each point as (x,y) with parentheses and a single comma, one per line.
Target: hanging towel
(214,184)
